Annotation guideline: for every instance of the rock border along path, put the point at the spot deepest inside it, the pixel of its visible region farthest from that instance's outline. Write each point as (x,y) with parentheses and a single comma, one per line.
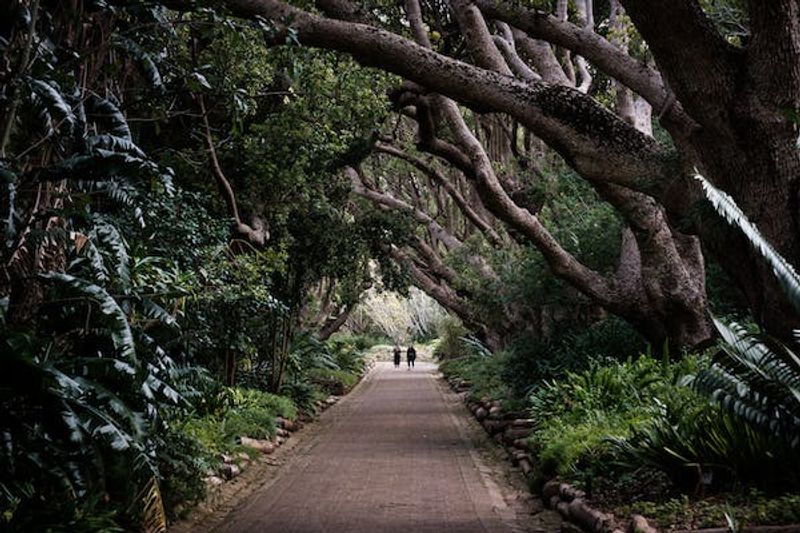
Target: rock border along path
(399,453)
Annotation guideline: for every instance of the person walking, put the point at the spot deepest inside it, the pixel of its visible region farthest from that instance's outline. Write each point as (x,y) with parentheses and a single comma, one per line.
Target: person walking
(396,356)
(411,356)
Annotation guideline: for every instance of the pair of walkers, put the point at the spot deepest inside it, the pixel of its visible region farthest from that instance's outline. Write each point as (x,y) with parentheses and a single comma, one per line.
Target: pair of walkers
(411,356)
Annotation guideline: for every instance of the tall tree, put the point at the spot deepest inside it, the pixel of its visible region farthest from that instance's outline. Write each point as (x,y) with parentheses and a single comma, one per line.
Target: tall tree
(724,106)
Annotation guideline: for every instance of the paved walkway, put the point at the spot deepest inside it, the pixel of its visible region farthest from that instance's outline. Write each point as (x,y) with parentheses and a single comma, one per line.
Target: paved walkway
(396,455)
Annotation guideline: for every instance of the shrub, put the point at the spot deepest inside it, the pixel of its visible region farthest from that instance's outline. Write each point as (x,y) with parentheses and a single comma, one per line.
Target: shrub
(302,392)
(752,432)
(699,444)
(758,379)
(486,375)
(348,356)
(577,414)
(361,342)
(260,400)
(751,507)
(336,382)
(249,413)
(451,344)
(182,463)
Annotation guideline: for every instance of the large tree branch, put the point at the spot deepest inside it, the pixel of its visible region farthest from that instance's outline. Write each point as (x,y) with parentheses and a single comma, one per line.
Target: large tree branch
(345,10)
(773,53)
(256,233)
(414,15)
(391,202)
(434,262)
(505,43)
(442,293)
(592,139)
(562,263)
(699,64)
(476,34)
(334,323)
(448,186)
(636,75)
(541,56)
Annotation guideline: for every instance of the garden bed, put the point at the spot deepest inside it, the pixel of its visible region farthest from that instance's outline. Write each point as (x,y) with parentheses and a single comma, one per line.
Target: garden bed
(562,467)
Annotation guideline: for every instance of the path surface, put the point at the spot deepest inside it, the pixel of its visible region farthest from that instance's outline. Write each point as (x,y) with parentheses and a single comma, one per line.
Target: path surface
(396,455)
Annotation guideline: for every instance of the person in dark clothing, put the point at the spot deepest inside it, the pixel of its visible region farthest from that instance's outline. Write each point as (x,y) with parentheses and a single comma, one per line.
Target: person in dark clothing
(411,356)
(396,356)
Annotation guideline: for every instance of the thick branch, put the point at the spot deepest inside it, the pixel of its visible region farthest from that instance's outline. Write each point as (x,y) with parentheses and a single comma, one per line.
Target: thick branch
(334,323)
(593,140)
(255,233)
(773,53)
(224,185)
(476,34)
(605,55)
(434,261)
(443,294)
(454,193)
(505,43)
(700,65)
(541,56)
(562,263)
(414,15)
(391,202)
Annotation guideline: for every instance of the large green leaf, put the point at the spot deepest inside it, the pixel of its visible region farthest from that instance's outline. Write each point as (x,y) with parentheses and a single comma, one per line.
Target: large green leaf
(121,334)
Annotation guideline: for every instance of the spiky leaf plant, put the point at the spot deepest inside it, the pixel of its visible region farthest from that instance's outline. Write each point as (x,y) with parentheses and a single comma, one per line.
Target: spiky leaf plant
(757,379)
(754,376)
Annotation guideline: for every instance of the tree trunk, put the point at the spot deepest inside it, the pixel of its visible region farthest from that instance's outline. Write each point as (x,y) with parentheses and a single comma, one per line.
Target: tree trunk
(334,323)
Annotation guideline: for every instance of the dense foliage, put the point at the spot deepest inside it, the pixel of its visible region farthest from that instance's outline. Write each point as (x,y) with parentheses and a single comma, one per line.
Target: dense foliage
(127,298)
(188,216)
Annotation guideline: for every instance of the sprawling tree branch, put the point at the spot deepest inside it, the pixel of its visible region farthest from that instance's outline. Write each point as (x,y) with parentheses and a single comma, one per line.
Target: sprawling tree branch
(256,233)
(702,69)
(440,179)
(592,139)
(638,76)
(391,202)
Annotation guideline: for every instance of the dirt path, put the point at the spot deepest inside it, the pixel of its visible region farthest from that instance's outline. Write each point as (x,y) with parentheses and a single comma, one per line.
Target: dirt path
(399,454)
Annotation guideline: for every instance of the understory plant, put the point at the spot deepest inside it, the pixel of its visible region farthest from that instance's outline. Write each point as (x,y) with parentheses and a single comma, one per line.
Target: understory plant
(578,412)
(751,430)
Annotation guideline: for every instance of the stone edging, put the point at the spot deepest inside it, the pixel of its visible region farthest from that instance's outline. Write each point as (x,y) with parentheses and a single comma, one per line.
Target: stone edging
(510,430)
(232,466)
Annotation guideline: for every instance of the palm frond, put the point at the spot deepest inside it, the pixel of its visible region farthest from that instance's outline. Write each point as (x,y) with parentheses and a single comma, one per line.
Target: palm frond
(113,143)
(55,102)
(142,58)
(154,311)
(110,237)
(103,109)
(725,205)
(755,381)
